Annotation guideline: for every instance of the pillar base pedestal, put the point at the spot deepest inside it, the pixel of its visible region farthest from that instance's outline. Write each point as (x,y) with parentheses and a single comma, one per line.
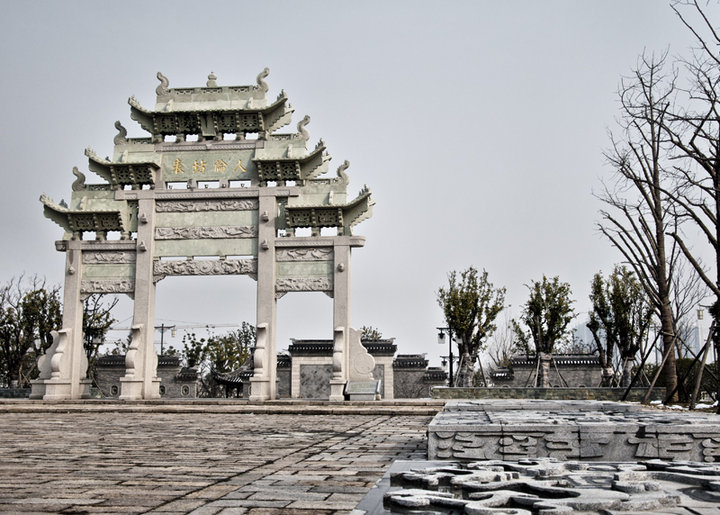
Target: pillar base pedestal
(59,389)
(131,389)
(337,390)
(259,390)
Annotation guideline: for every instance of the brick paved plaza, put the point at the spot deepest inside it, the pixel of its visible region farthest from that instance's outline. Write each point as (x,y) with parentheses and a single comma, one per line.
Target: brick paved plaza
(196,458)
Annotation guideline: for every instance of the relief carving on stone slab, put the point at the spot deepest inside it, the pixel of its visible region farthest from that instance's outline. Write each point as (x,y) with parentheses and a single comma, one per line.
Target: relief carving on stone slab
(496,486)
(112,286)
(199,233)
(474,447)
(101,258)
(205,267)
(188,206)
(304,254)
(647,446)
(562,445)
(711,449)
(675,446)
(592,445)
(518,445)
(304,284)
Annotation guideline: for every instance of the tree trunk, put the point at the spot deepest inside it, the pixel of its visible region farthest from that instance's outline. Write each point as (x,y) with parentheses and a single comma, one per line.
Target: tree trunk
(669,372)
(626,379)
(715,312)
(607,376)
(482,374)
(464,379)
(543,378)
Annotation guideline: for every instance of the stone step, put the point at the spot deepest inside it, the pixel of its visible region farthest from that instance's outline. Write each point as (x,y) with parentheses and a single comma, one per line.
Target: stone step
(424,407)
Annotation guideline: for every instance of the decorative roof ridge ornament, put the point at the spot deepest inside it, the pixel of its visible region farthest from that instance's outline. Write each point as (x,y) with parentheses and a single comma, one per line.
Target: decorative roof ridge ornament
(162,89)
(302,131)
(344,178)
(261,84)
(212,81)
(121,136)
(90,154)
(134,103)
(79,183)
(53,205)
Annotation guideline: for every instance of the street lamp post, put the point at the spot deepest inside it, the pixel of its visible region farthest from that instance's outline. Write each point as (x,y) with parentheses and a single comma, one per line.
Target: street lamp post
(162,328)
(441,340)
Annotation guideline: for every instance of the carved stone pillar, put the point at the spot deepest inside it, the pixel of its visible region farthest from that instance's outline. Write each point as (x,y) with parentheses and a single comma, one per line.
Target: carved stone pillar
(64,365)
(263,382)
(140,380)
(341,319)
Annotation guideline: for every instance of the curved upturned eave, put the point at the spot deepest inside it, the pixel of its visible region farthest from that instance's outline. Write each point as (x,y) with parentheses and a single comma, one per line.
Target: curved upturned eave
(55,212)
(352,213)
(62,215)
(104,168)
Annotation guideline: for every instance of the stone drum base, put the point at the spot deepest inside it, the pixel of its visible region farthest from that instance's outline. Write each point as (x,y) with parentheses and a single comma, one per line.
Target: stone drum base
(511,430)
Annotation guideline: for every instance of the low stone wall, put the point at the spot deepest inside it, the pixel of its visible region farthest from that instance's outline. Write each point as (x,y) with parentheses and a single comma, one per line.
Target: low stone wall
(600,394)
(14,393)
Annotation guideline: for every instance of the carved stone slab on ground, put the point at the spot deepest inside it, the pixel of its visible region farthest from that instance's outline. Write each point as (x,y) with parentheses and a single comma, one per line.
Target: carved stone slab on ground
(570,430)
(545,485)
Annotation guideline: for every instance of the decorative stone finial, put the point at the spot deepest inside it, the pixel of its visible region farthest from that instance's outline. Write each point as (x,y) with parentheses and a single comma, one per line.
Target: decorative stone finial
(121,136)
(260,82)
(162,89)
(341,172)
(79,184)
(304,134)
(212,81)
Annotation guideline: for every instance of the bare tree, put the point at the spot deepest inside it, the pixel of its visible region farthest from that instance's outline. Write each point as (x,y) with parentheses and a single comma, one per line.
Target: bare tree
(688,290)
(97,320)
(501,347)
(639,211)
(695,134)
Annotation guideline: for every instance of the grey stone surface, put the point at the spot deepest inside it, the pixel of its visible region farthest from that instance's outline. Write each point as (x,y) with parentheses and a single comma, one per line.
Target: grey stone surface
(315,381)
(547,486)
(412,377)
(208,457)
(572,430)
(574,393)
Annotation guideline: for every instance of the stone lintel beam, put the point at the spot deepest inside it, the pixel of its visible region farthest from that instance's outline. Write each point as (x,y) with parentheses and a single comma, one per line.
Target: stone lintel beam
(320,241)
(206,194)
(91,245)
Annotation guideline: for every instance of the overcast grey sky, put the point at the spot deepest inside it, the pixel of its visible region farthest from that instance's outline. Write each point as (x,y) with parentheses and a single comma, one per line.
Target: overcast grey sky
(478,125)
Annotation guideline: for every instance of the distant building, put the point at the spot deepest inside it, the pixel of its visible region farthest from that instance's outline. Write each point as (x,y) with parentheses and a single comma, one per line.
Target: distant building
(566,370)
(305,372)
(176,381)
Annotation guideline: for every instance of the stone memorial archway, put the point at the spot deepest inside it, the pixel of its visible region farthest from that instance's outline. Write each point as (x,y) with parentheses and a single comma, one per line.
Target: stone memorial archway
(215,180)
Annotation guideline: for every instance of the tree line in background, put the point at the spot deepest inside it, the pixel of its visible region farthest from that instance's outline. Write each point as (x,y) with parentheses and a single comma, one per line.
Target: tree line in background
(30,311)
(664,190)
(622,323)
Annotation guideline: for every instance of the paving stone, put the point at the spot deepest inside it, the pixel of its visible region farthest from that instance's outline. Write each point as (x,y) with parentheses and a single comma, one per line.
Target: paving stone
(132,461)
